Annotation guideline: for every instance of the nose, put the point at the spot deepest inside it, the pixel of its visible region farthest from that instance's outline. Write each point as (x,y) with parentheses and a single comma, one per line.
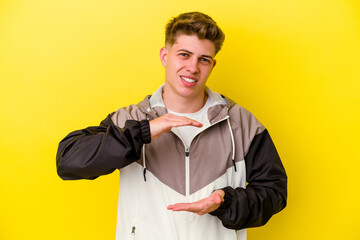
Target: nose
(192,65)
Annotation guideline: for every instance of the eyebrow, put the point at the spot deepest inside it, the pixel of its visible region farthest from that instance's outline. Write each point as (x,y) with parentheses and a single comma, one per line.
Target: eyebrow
(184,50)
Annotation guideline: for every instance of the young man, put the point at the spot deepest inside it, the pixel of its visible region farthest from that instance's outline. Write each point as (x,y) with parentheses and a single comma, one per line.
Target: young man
(183,152)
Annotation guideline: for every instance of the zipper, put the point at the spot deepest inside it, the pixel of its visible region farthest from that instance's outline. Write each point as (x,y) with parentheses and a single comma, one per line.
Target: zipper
(187,164)
(187,155)
(187,171)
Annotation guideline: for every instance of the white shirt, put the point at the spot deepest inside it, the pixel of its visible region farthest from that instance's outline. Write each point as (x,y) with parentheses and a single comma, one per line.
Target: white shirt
(187,133)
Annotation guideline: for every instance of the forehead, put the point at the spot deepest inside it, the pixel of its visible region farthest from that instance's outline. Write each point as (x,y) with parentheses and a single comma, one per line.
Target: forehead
(193,44)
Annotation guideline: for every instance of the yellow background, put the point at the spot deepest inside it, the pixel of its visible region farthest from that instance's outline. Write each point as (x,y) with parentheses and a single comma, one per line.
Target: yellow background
(64,65)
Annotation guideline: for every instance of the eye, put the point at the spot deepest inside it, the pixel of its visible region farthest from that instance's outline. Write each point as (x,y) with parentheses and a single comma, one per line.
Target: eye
(184,54)
(205,60)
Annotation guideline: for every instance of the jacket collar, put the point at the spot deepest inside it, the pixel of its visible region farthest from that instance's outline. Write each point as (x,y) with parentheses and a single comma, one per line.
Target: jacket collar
(153,105)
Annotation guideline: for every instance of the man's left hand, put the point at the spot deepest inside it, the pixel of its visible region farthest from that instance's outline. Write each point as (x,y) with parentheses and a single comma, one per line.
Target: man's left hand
(202,206)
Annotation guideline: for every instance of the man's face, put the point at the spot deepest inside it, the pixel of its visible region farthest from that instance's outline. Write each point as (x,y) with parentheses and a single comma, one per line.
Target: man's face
(188,64)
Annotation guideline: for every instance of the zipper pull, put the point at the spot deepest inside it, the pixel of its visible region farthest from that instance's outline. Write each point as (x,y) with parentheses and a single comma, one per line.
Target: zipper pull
(187,152)
(133,231)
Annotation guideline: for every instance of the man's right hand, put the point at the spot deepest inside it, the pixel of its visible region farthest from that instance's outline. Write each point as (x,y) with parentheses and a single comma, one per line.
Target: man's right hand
(164,124)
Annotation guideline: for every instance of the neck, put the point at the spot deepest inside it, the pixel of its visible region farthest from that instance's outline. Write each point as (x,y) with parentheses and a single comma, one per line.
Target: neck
(184,104)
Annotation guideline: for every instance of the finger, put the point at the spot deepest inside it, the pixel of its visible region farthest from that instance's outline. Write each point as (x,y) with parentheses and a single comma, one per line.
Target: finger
(181,207)
(177,206)
(187,123)
(188,208)
(197,124)
(184,120)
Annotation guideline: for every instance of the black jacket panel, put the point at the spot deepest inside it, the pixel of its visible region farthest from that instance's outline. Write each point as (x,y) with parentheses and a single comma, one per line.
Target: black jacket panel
(95,151)
(266,191)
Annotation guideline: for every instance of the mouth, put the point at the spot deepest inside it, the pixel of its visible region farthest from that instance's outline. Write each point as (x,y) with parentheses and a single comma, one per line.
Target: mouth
(188,80)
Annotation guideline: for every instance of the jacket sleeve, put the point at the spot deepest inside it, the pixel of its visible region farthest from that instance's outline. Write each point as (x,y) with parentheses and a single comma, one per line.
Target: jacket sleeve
(95,151)
(266,190)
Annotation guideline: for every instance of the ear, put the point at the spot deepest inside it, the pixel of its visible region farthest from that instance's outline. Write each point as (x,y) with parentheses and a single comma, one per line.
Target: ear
(214,63)
(163,56)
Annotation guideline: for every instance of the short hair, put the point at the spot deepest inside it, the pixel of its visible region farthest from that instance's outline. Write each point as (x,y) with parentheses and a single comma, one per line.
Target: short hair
(200,24)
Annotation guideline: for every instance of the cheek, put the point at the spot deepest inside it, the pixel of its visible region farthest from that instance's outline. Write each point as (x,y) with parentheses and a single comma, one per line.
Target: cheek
(174,65)
(177,68)
(206,70)
(172,70)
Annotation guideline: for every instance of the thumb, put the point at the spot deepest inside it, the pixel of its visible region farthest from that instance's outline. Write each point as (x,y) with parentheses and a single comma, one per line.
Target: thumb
(217,198)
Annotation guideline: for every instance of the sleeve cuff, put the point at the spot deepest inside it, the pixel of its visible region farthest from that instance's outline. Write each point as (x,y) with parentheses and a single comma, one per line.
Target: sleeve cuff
(227,201)
(145,131)
(227,198)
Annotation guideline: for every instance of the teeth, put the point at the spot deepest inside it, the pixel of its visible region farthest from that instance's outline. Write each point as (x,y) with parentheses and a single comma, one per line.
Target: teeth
(188,80)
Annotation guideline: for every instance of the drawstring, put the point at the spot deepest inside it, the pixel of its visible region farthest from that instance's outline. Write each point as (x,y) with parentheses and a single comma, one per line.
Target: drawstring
(144,163)
(143,150)
(232,142)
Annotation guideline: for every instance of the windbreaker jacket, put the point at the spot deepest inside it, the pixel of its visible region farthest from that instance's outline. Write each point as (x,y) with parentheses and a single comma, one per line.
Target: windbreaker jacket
(234,153)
